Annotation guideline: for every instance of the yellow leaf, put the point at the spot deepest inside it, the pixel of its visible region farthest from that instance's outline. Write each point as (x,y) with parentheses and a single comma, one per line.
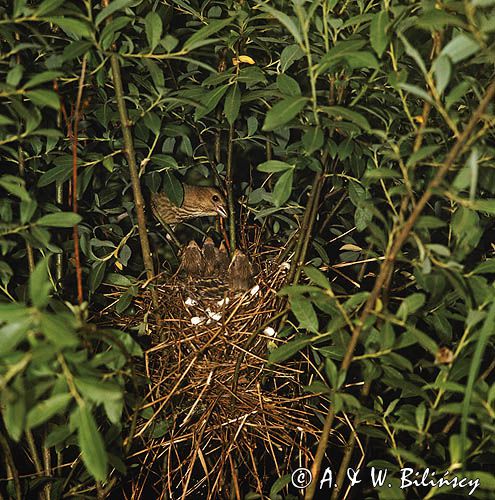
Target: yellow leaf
(242,59)
(246,59)
(419,119)
(118,265)
(378,305)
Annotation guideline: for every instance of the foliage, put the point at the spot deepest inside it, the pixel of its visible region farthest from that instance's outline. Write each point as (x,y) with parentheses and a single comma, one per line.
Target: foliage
(369,96)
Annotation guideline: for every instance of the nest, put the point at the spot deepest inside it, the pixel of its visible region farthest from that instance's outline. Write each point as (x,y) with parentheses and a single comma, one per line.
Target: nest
(218,421)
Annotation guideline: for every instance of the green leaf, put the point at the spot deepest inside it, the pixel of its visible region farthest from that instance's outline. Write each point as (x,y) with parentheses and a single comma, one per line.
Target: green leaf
(381,173)
(200,36)
(75,49)
(339,113)
(232,104)
(460,48)
(485,267)
(362,59)
(174,188)
(98,390)
(442,70)
(15,185)
(287,21)
(47,6)
(414,89)
(114,6)
(210,101)
(5,120)
(289,55)
(14,331)
(58,435)
(312,140)
(154,27)
(13,404)
(484,205)
(71,25)
(410,305)
(337,53)
(283,188)
(378,32)
(111,28)
(304,312)
(60,173)
(19,7)
(477,358)
(421,154)
(39,284)
(316,276)
(436,19)
(423,339)
(44,98)
(412,52)
(429,222)
(43,77)
(91,443)
(279,484)
(288,85)
(59,219)
(46,409)
(274,166)
(96,275)
(288,350)
(283,112)
(57,330)
(457,93)
(14,75)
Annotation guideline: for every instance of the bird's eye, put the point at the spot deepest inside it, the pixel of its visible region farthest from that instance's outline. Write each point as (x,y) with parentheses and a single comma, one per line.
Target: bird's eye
(215,198)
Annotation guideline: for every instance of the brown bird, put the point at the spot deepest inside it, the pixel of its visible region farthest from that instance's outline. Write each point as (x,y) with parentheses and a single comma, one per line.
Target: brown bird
(240,272)
(192,260)
(210,252)
(222,260)
(198,201)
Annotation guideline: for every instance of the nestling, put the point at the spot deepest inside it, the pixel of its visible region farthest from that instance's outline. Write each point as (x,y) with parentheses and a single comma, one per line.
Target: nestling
(199,201)
(210,252)
(192,260)
(222,260)
(240,272)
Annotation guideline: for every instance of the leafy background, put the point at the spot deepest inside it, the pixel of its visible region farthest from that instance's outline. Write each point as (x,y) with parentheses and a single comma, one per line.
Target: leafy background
(327,121)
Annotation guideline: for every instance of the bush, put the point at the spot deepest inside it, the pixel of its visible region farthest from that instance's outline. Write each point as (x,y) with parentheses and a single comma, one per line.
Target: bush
(358,135)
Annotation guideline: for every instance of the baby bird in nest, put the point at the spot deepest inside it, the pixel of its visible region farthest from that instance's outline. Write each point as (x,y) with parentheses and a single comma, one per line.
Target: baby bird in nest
(222,261)
(213,263)
(192,260)
(210,255)
(198,201)
(240,272)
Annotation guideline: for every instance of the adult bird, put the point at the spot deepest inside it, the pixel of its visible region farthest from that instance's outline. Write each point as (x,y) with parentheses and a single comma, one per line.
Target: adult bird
(198,201)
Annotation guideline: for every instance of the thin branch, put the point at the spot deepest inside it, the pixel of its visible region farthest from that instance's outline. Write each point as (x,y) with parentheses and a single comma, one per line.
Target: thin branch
(133,170)
(75,132)
(230,189)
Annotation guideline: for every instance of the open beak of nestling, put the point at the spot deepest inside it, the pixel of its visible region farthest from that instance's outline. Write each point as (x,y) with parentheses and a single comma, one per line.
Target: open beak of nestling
(221,211)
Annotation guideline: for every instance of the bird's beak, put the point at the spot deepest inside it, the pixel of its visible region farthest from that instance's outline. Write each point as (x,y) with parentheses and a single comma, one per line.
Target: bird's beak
(221,211)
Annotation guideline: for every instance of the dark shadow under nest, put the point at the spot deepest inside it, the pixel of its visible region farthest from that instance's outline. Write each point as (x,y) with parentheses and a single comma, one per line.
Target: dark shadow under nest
(218,421)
